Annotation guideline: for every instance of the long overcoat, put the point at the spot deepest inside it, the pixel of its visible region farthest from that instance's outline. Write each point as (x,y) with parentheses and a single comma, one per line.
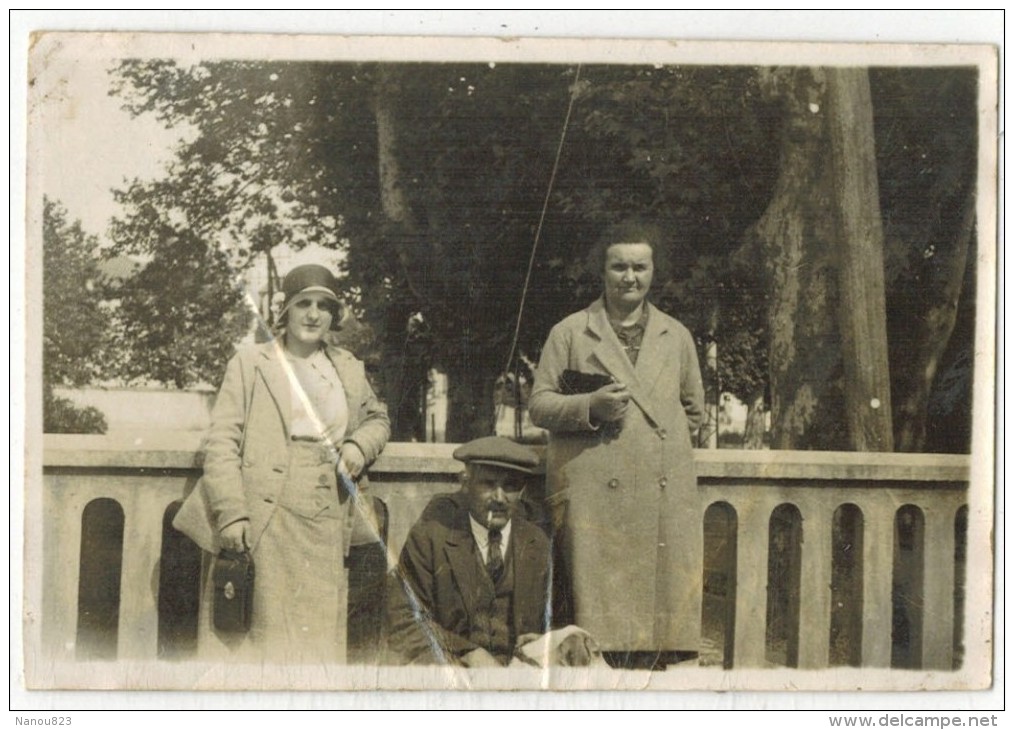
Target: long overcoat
(625,495)
(300,523)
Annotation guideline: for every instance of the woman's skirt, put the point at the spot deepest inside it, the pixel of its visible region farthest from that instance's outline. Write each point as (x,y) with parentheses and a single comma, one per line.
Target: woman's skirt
(300,598)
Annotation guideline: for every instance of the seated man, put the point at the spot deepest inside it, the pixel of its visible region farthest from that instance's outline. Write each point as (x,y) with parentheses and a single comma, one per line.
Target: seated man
(473,580)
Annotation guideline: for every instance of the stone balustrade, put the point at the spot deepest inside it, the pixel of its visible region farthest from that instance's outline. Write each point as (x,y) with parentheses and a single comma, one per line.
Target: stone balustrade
(813,559)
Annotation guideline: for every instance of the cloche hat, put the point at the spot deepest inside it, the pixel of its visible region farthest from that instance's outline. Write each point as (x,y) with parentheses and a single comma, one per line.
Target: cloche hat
(311,279)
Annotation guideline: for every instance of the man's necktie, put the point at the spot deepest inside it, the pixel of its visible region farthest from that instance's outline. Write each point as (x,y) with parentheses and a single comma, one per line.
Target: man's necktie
(494,564)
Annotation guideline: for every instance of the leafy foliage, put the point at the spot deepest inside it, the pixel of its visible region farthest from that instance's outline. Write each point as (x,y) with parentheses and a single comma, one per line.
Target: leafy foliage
(289,153)
(431,179)
(76,326)
(693,147)
(926,154)
(181,314)
(60,415)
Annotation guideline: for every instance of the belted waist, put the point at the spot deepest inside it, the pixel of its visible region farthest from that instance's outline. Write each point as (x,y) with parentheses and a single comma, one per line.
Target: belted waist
(314,489)
(307,451)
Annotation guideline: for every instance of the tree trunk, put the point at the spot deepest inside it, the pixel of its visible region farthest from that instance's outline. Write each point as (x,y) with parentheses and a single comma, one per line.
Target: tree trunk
(933,335)
(400,224)
(796,239)
(862,312)
(400,368)
(397,372)
(470,394)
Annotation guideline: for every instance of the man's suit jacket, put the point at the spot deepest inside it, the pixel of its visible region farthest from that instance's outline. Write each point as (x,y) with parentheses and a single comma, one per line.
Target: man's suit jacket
(440,585)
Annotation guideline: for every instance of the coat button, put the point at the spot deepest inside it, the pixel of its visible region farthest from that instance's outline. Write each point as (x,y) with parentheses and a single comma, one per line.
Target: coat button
(614,483)
(663,482)
(322,480)
(662,434)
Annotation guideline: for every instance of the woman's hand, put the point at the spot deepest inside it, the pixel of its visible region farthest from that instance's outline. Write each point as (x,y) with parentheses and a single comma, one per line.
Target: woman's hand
(609,403)
(234,537)
(353,459)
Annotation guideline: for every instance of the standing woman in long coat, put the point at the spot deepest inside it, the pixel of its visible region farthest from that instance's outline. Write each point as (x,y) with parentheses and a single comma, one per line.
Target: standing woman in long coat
(294,422)
(620,462)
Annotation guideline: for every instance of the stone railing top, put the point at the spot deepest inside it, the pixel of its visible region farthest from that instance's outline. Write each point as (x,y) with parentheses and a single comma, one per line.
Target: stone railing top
(181,450)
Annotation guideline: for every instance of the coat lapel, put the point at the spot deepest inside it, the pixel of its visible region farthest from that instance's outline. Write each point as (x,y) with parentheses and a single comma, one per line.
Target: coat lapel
(473,583)
(609,352)
(271,367)
(651,359)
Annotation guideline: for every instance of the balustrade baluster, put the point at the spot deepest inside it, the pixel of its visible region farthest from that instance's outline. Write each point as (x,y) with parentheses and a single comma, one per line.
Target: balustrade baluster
(938,588)
(815,584)
(63,506)
(751,582)
(878,567)
(138,630)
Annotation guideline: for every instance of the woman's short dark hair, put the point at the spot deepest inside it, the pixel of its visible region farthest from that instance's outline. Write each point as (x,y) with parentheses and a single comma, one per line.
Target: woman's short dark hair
(630,230)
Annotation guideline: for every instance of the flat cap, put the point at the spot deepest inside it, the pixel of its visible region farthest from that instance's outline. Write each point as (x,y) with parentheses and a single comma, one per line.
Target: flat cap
(498,451)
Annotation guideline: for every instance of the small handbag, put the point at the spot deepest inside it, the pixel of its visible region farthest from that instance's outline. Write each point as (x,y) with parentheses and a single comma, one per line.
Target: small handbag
(574,382)
(233,576)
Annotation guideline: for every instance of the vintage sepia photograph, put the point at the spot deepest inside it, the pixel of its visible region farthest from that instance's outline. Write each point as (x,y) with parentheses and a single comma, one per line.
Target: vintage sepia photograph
(417,363)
